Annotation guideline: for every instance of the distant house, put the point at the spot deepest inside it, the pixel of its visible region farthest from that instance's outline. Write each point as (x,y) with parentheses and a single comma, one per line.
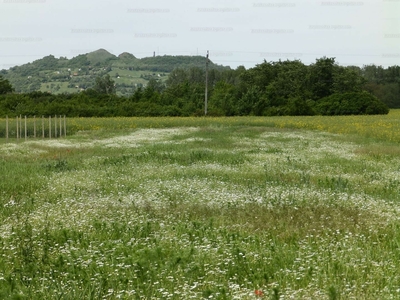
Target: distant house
(75,74)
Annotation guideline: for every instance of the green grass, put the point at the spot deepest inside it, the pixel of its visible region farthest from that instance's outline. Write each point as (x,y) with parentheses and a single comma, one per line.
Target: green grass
(214,210)
(127,77)
(63,87)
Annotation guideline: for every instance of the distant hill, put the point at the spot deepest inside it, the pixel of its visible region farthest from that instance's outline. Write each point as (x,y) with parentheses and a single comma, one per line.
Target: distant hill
(62,75)
(100,56)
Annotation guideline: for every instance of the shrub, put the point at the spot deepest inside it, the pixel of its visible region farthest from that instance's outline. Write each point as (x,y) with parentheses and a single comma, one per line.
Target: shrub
(354,103)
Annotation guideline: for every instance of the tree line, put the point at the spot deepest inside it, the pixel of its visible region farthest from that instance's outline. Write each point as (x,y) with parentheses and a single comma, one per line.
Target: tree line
(268,89)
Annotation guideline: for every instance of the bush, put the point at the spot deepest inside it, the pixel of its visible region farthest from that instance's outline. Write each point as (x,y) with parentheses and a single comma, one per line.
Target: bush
(354,103)
(299,107)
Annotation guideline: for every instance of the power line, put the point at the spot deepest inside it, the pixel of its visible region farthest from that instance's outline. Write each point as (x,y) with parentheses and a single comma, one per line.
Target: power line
(206,93)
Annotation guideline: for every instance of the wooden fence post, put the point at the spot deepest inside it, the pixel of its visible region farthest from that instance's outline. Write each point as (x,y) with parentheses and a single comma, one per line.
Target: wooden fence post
(34,126)
(6,129)
(55,126)
(20,126)
(25,130)
(42,126)
(17,131)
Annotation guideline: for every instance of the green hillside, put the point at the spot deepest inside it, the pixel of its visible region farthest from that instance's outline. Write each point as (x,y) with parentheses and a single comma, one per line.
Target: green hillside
(63,75)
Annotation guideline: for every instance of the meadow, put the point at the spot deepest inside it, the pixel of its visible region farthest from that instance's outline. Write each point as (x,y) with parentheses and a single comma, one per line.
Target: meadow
(203,208)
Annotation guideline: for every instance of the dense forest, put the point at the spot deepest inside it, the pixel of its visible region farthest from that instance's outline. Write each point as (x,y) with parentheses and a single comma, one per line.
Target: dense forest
(270,88)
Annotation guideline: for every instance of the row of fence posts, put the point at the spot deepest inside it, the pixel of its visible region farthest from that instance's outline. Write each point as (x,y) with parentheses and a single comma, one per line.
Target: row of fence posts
(61,129)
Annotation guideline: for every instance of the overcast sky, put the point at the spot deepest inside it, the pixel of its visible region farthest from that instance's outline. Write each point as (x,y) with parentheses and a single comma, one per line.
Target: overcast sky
(235,32)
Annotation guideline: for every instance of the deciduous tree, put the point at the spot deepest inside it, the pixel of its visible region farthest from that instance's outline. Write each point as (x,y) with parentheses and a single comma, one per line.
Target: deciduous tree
(105,85)
(5,86)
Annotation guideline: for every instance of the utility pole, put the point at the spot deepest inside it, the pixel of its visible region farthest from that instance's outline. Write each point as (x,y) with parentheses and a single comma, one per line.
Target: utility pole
(206,94)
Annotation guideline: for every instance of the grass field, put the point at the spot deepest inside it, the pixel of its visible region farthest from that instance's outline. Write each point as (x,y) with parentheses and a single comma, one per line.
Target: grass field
(128,77)
(203,208)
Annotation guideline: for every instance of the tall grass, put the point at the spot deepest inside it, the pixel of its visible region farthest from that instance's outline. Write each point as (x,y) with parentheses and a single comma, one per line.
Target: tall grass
(383,127)
(223,209)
